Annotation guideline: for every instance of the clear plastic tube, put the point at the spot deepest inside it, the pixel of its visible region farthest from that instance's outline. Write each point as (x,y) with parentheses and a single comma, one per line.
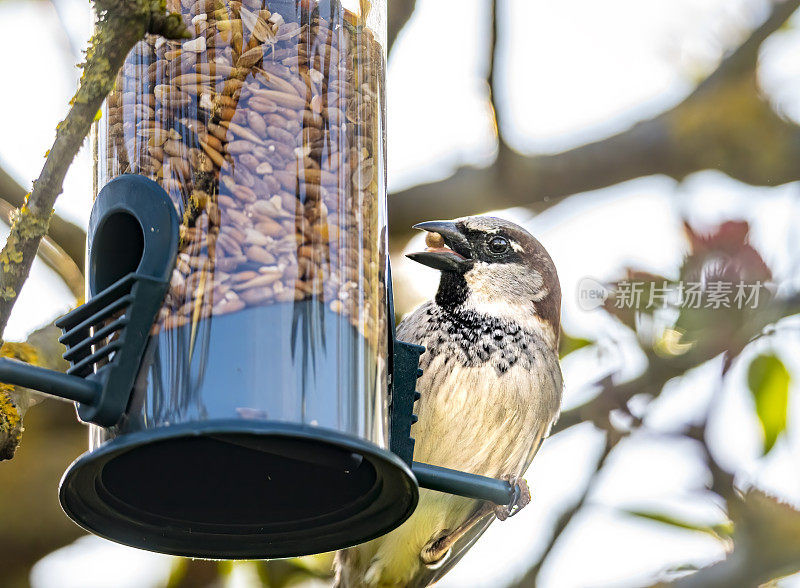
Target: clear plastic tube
(267,130)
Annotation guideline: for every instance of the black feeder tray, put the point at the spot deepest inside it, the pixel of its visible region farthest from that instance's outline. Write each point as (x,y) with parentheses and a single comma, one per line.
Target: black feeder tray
(184,474)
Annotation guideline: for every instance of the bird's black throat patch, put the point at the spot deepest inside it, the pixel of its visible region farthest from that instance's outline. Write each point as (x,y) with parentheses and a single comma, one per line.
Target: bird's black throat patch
(453,290)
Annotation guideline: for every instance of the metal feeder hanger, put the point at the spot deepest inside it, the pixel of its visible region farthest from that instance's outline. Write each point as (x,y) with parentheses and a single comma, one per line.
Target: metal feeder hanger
(209,487)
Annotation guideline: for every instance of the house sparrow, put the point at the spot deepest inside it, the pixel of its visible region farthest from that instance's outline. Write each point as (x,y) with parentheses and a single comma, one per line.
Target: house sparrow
(490,391)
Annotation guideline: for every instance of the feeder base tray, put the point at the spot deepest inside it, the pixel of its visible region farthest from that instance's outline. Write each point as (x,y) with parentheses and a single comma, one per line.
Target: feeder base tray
(238,489)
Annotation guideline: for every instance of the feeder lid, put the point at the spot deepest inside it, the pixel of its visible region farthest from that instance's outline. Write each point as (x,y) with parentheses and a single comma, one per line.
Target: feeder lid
(237,489)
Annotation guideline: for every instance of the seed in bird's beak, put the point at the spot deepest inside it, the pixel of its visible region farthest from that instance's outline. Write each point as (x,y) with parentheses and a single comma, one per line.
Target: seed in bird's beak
(434,240)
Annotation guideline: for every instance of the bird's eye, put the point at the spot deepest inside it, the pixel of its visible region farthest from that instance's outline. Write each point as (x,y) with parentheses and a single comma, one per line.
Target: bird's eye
(498,245)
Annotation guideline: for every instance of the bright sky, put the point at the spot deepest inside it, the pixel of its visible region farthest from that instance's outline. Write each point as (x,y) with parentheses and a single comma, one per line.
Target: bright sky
(576,71)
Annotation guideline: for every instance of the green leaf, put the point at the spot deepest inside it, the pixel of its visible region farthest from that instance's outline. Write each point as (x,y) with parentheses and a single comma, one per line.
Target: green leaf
(569,344)
(721,531)
(768,380)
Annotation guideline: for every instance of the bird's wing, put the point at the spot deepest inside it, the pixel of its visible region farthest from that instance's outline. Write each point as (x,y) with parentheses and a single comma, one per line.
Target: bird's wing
(428,576)
(414,327)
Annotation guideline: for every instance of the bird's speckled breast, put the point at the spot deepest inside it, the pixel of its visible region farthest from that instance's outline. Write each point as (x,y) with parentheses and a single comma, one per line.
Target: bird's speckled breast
(470,339)
(483,378)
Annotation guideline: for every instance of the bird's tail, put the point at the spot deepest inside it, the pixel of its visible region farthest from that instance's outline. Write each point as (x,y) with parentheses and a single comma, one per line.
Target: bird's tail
(345,565)
(355,568)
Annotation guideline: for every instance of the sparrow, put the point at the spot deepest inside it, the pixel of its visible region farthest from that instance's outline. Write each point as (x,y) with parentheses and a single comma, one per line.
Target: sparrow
(490,391)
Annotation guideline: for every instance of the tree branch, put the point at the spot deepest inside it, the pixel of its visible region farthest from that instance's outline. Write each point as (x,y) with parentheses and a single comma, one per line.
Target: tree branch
(744,58)
(53,255)
(532,575)
(661,369)
(120,25)
(724,124)
(68,236)
(766,545)
(765,538)
(399,13)
(757,555)
(492,83)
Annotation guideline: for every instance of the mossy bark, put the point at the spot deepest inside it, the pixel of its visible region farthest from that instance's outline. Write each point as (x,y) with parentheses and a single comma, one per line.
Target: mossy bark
(13,403)
(10,425)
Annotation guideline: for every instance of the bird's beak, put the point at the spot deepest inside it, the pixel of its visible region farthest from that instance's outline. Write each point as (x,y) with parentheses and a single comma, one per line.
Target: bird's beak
(454,256)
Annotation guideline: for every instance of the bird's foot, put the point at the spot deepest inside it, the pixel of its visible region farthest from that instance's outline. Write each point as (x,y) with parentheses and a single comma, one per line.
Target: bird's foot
(522,498)
(437,550)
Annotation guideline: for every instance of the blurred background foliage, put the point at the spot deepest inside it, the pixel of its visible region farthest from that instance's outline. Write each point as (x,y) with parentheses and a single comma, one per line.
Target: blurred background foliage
(675,461)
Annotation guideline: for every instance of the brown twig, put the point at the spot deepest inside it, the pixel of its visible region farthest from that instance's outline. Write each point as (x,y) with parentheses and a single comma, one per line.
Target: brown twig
(399,13)
(492,83)
(53,256)
(68,236)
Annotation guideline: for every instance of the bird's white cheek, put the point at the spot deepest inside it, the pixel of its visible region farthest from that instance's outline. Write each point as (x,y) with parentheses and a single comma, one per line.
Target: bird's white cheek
(498,292)
(510,282)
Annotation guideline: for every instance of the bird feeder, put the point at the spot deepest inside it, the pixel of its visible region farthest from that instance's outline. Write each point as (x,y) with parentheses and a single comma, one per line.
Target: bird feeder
(235,359)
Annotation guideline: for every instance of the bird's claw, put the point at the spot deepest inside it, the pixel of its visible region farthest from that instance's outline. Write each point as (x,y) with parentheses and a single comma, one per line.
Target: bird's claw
(522,497)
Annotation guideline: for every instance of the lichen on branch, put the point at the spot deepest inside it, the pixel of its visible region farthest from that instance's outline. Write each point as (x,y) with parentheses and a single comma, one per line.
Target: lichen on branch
(120,25)
(13,403)
(10,424)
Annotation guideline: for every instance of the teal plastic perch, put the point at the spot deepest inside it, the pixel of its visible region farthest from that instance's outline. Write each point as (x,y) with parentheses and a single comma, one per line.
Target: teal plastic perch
(50,382)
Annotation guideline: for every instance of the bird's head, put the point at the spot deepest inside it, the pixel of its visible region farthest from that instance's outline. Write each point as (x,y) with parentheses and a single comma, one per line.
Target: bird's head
(493,267)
